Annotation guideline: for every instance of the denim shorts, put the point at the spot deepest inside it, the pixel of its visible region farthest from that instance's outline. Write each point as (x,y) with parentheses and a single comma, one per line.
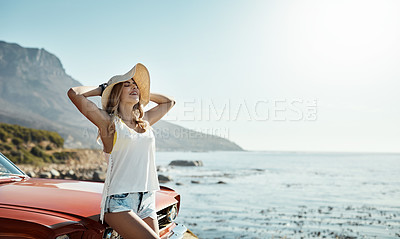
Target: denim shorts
(141,203)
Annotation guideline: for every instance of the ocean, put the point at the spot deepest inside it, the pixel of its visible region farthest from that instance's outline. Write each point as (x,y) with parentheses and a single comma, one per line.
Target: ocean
(287,195)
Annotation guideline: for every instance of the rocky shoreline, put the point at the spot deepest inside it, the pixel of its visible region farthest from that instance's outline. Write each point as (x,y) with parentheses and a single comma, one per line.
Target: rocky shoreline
(91,166)
(88,164)
(63,171)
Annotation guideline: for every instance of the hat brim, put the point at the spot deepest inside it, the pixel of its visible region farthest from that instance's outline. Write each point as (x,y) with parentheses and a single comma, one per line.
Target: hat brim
(140,75)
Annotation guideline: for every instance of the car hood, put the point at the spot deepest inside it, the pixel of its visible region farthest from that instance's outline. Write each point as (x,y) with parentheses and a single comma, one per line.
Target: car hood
(79,198)
(67,196)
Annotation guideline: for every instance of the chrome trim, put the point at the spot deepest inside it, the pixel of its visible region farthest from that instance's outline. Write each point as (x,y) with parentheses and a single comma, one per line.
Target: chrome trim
(178,232)
(110,234)
(172,213)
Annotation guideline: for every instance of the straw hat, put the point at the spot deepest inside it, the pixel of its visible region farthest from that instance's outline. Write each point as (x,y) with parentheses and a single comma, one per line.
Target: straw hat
(140,75)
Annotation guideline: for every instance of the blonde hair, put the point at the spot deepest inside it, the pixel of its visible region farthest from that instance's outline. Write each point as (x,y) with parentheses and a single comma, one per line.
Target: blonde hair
(112,109)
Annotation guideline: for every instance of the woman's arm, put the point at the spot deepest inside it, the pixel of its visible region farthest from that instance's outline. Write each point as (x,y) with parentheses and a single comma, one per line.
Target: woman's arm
(78,96)
(165,103)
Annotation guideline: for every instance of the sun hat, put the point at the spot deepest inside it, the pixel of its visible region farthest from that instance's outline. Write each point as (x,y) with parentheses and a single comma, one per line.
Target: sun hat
(140,75)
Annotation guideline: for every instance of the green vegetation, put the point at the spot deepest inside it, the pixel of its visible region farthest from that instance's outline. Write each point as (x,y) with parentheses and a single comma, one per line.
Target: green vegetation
(29,135)
(64,155)
(31,146)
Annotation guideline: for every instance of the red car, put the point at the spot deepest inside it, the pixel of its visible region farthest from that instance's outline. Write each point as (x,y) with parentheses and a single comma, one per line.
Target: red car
(62,209)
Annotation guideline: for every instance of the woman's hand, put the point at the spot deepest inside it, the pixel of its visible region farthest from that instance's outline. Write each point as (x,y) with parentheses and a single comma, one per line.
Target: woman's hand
(165,103)
(78,96)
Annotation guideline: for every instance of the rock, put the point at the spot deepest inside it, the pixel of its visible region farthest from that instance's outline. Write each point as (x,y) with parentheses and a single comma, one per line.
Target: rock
(186,163)
(45,175)
(63,173)
(221,182)
(54,173)
(99,176)
(71,174)
(161,169)
(164,179)
(195,182)
(179,184)
(190,235)
(259,169)
(31,174)
(87,176)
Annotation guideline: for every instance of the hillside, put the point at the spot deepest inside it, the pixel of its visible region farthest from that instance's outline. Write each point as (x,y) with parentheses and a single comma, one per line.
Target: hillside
(33,86)
(31,146)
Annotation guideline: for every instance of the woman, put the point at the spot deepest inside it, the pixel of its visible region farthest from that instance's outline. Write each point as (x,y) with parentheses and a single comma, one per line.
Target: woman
(128,203)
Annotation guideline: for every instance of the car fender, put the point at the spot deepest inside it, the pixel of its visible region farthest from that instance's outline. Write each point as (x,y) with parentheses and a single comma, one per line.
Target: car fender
(36,224)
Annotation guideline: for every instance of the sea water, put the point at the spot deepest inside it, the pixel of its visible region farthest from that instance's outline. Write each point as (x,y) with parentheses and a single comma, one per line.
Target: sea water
(287,195)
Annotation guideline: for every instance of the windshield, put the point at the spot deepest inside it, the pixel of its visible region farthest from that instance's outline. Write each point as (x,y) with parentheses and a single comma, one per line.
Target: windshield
(7,167)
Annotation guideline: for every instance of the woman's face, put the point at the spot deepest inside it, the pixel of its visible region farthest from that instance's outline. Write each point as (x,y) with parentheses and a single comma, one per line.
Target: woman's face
(130,92)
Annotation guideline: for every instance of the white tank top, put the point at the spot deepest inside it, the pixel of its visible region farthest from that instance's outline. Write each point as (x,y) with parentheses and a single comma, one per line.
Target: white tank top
(131,164)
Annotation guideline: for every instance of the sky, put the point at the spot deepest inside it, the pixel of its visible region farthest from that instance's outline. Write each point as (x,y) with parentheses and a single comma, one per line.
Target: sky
(268,75)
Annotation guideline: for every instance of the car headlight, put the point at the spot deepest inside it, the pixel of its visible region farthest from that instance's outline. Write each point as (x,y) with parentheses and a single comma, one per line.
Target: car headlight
(172,213)
(63,237)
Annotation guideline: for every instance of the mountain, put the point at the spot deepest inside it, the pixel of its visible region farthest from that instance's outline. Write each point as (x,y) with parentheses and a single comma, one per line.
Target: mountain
(33,86)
